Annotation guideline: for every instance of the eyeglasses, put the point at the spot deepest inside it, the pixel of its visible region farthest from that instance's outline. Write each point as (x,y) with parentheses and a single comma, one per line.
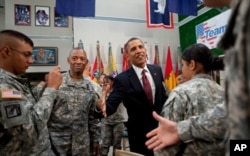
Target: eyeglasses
(26,54)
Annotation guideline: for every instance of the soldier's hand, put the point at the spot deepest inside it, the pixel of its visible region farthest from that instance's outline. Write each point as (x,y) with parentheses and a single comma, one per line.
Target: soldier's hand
(54,78)
(164,135)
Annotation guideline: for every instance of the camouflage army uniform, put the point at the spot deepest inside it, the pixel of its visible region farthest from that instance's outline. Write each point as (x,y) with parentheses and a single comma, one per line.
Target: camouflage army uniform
(236,42)
(191,98)
(23,120)
(237,56)
(96,86)
(72,124)
(112,130)
(208,126)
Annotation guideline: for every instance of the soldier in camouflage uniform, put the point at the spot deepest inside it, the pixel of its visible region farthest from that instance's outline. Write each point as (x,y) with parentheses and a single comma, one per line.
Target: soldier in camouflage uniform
(113,125)
(199,94)
(236,46)
(23,119)
(72,125)
(236,43)
(87,74)
(208,126)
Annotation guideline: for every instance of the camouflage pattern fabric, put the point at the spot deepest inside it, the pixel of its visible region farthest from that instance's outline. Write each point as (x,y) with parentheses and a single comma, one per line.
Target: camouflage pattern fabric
(111,136)
(23,121)
(72,125)
(118,117)
(112,130)
(193,97)
(209,126)
(96,86)
(237,55)
(237,80)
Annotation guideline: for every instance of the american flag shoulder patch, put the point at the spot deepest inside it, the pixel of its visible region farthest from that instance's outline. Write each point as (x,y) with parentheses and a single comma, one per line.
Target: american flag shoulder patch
(12,94)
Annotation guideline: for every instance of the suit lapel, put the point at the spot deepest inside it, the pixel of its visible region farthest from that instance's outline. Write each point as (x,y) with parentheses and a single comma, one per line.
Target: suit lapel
(157,80)
(136,84)
(134,80)
(153,74)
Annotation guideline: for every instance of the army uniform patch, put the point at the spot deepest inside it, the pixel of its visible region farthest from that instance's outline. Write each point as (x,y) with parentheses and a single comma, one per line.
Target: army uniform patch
(12,94)
(13,110)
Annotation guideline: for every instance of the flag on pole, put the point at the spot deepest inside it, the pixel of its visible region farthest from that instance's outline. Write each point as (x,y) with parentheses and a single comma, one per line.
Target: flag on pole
(76,8)
(176,69)
(169,72)
(98,65)
(176,72)
(183,7)
(158,14)
(111,68)
(125,62)
(148,50)
(157,55)
(80,44)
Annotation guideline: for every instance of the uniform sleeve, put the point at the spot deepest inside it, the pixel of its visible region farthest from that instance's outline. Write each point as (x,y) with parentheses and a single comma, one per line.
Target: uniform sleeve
(209,126)
(24,109)
(39,89)
(94,125)
(174,107)
(42,109)
(173,110)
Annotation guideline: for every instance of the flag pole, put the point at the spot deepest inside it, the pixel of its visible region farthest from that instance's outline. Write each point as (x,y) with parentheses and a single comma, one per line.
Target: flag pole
(98,60)
(80,44)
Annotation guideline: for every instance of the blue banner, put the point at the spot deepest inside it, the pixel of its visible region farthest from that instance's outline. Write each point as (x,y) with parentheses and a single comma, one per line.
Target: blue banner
(76,8)
(158,14)
(183,7)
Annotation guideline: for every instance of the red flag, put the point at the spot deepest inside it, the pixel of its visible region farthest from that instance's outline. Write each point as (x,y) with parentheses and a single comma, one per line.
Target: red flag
(98,65)
(169,72)
(125,62)
(157,56)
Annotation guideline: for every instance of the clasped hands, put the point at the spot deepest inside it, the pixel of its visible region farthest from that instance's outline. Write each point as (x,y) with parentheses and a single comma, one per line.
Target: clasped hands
(101,103)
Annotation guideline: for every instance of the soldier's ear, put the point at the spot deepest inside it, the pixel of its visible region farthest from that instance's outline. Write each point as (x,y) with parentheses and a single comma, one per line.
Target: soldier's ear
(4,51)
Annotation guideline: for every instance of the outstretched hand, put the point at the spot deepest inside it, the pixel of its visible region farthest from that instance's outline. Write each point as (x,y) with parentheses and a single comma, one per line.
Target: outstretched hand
(164,135)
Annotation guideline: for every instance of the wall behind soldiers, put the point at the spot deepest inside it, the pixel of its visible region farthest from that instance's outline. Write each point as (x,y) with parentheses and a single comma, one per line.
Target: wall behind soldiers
(2,18)
(50,36)
(116,22)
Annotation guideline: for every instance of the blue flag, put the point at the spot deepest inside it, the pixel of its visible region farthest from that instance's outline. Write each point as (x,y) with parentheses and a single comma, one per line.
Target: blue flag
(76,8)
(183,7)
(158,14)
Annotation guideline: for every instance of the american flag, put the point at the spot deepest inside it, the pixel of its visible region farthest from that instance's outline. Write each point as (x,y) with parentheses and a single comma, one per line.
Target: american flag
(200,29)
(200,32)
(11,94)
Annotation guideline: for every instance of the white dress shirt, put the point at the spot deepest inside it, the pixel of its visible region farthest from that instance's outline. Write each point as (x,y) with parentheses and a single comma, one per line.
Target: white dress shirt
(138,72)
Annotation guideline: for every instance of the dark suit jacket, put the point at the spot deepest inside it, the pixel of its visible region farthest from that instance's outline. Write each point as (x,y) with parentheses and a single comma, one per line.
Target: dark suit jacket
(128,89)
